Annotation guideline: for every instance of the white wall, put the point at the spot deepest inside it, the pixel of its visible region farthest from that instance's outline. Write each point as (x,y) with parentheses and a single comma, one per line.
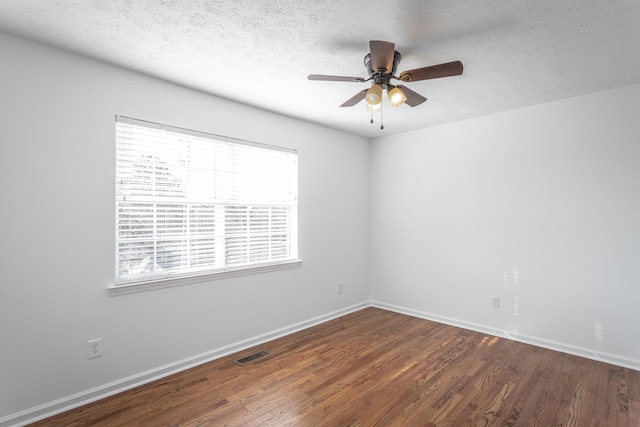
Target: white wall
(57,113)
(539,206)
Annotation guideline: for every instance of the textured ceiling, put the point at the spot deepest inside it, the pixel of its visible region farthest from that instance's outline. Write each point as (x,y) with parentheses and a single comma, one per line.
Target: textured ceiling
(515,53)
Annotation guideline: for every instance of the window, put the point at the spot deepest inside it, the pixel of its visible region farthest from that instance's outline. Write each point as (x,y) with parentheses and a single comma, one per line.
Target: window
(190,203)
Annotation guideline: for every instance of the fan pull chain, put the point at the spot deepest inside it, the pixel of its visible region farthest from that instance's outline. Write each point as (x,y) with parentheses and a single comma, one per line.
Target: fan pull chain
(371,111)
(381,122)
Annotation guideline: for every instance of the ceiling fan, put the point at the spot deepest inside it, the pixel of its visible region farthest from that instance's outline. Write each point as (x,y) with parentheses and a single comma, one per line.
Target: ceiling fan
(382,63)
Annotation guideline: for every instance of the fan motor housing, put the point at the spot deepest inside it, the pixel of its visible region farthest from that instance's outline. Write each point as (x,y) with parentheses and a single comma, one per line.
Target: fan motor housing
(374,74)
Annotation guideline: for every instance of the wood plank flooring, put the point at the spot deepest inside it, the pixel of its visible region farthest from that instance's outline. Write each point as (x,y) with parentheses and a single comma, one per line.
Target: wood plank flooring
(378,368)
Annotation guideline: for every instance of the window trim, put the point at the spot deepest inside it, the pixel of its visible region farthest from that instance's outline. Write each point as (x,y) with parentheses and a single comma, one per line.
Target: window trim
(186,278)
(150,285)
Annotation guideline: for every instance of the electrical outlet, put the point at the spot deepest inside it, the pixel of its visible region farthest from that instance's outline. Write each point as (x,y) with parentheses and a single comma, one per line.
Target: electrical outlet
(340,287)
(94,348)
(496,302)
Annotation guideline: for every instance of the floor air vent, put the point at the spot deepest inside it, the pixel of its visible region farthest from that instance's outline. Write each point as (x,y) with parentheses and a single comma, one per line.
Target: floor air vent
(252,357)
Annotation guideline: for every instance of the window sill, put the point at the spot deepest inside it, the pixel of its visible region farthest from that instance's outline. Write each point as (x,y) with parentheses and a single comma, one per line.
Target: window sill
(115,290)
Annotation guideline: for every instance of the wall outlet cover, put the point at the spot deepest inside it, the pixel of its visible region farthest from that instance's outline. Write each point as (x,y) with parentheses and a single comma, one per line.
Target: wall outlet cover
(94,348)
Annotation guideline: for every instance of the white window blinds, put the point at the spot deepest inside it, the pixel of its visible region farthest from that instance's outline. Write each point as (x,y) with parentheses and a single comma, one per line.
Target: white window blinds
(190,203)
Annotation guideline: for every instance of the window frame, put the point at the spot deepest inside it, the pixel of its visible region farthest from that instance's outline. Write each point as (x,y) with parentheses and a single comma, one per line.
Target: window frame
(196,275)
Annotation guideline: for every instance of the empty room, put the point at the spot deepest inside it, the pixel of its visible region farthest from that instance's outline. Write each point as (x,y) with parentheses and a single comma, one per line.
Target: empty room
(335,213)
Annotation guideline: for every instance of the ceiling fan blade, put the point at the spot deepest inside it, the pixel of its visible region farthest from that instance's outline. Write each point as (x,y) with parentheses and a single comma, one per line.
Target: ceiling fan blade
(381,56)
(334,78)
(355,99)
(433,72)
(413,98)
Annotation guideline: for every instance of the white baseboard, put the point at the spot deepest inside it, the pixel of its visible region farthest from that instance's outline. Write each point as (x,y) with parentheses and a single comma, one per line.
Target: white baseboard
(70,402)
(527,339)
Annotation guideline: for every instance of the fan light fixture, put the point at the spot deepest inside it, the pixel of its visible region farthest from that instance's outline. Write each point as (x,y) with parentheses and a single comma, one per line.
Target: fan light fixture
(374,107)
(374,95)
(396,97)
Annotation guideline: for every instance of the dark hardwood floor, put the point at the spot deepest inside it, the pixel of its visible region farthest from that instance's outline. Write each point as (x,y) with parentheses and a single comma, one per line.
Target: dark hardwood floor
(378,368)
